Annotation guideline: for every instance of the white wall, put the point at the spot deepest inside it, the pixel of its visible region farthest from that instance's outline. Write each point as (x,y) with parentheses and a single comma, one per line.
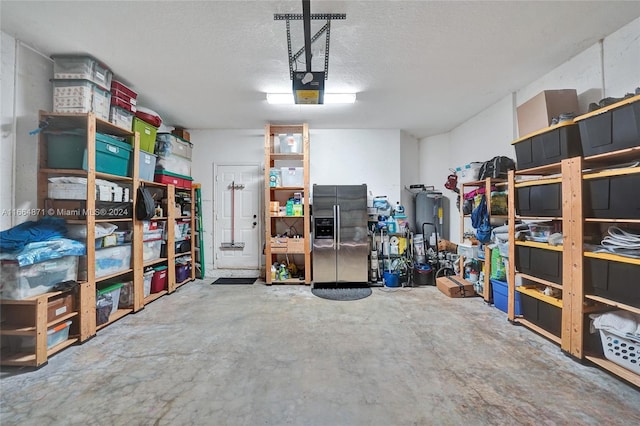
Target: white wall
(337,157)
(610,68)
(409,173)
(28,72)
(7,141)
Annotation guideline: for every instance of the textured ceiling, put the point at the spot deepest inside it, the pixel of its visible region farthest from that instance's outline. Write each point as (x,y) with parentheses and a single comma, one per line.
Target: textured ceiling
(421,66)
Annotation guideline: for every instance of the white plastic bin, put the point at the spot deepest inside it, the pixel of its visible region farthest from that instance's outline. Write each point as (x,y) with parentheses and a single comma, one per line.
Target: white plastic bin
(55,336)
(174,164)
(32,280)
(120,117)
(148,276)
(113,260)
(292,176)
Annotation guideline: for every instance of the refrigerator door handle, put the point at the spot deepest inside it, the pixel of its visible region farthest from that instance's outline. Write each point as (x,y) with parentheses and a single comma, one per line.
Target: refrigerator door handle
(335,223)
(338,226)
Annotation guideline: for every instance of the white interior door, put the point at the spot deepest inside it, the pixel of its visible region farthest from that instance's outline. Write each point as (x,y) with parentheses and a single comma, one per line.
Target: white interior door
(237,216)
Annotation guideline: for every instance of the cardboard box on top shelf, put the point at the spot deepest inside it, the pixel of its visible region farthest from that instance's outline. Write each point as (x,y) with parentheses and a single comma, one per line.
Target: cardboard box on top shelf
(182,133)
(537,112)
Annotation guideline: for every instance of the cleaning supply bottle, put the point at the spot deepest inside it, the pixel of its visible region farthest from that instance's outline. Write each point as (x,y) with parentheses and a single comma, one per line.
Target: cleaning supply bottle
(274,272)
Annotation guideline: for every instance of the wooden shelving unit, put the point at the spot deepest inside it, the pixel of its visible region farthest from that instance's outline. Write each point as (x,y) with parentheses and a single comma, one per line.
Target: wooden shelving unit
(577,301)
(33,311)
(466,187)
(275,223)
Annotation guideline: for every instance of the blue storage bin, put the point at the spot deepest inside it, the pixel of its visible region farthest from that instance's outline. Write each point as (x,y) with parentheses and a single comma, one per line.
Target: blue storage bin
(500,297)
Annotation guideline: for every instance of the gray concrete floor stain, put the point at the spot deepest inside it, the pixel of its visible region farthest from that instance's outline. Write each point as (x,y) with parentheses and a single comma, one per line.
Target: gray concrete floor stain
(260,355)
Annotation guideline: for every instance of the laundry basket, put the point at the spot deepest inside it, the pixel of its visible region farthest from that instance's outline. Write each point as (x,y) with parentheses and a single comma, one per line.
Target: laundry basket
(622,350)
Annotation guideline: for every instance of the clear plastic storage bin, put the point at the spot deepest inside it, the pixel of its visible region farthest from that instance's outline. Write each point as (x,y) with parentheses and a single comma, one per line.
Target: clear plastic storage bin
(81,96)
(292,176)
(168,144)
(82,67)
(32,280)
(174,164)
(290,143)
(151,250)
(113,260)
(120,117)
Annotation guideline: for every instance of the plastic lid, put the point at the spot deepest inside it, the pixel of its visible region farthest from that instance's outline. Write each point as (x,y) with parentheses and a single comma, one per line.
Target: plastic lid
(160,268)
(110,288)
(108,139)
(58,327)
(166,173)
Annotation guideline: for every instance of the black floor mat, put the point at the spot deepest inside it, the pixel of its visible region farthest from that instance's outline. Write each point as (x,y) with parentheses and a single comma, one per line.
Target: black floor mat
(332,292)
(234,280)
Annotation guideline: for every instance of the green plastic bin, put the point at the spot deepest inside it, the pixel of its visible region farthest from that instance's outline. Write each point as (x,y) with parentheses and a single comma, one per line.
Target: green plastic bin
(112,156)
(147,134)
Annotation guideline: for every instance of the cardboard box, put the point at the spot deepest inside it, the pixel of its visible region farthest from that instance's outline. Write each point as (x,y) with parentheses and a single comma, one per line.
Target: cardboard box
(279,244)
(182,133)
(455,286)
(295,245)
(537,112)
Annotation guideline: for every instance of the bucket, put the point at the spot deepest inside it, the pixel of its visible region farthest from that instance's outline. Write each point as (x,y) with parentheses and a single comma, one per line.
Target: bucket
(422,274)
(391,279)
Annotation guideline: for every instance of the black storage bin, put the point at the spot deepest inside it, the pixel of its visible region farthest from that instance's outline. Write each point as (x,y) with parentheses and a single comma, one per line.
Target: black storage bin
(616,281)
(539,200)
(180,247)
(542,314)
(613,197)
(611,130)
(541,263)
(549,147)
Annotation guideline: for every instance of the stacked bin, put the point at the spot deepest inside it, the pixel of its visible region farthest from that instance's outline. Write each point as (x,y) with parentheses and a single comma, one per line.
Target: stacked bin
(81,84)
(174,160)
(123,105)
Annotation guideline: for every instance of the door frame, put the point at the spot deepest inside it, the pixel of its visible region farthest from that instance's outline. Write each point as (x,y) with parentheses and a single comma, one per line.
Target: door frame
(260,171)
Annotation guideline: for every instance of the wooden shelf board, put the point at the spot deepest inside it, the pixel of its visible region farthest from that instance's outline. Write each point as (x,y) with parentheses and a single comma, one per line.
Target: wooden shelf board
(154,262)
(159,218)
(278,216)
(611,172)
(538,295)
(117,274)
(152,183)
(543,131)
(111,177)
(608,108)
(541,170)
(545,180)
(280,156)
(612,257)
(540,280)
(612,303)
(614,368)
(125,219)
(539,217)
(599,220)
(154,296)
(287,188)
(11,330)
(628,154)
(62,319)
(289,281)
(115,317)
(184,282)
(538,330)
(61,346)
(71,172)
(535,244)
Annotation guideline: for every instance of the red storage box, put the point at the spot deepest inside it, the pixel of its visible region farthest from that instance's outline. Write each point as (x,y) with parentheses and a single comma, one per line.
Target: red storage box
(121,91)
(123,104)
(180,181)
(159,280)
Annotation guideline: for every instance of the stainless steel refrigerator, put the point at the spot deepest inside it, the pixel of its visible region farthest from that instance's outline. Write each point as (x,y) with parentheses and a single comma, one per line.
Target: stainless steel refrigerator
(340,238)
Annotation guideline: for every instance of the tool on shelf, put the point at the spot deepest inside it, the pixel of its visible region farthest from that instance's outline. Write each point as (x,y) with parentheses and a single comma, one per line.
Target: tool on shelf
(199,240)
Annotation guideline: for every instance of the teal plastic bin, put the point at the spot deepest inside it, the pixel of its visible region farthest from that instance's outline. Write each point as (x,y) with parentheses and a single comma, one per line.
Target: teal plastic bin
(65,149)
(112,156)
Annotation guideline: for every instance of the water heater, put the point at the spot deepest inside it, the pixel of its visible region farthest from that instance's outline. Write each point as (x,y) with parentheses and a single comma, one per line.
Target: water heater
(432,207)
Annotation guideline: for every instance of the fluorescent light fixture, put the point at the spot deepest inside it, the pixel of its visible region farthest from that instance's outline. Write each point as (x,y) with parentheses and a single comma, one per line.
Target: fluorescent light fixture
(329,98)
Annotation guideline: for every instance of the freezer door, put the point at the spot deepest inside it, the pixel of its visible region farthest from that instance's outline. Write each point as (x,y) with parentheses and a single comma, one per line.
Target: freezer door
(324,198)
(324,250)
(352,237)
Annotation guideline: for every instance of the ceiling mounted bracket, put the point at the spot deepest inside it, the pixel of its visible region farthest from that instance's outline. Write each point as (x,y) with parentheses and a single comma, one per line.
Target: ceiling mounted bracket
(325,29)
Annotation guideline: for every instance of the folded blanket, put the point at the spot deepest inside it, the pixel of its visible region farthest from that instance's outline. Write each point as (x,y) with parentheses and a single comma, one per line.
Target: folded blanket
(14,239)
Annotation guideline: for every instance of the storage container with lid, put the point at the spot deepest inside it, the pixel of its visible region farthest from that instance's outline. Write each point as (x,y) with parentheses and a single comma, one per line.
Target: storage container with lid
(82,67)
(121,91)
(81,96)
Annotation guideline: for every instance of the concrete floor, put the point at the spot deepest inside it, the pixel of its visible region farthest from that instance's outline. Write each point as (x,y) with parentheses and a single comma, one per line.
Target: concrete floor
(258,355)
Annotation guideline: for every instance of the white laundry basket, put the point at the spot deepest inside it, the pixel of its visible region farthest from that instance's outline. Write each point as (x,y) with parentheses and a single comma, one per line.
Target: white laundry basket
(622,350)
